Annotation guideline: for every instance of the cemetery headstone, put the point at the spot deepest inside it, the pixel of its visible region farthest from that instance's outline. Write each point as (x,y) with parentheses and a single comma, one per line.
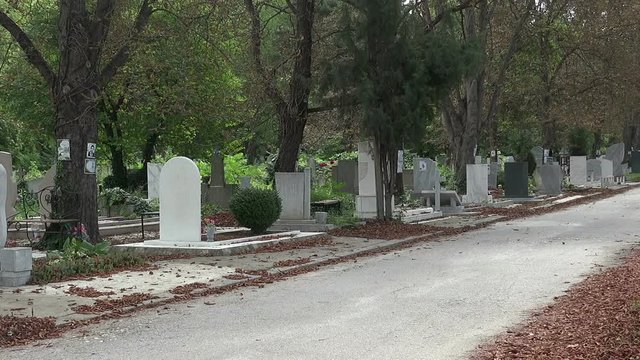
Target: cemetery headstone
(538,155)
(516,180)
(12,189)
(153,180)
(346,172)
(477,183)
(245,182)
(578,170)
(607,168)
(615,153)
(494,168)
(424,174)
(3,212)
(294,190)
(407,179)
(549,179)
(180,202)
(216,191)
(635,161)
(594,170)
(366,207)
(217,169)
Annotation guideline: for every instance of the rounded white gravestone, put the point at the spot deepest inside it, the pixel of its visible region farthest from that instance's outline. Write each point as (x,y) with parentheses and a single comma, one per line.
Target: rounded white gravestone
(3,212)
(180,201)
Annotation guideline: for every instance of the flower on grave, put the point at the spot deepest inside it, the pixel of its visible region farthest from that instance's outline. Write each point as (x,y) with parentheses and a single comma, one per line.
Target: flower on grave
(80,232)
(322,164)
(209,221)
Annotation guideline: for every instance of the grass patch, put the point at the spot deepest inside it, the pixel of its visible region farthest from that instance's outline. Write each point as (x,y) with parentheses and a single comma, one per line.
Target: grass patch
(633,177)
(61,269)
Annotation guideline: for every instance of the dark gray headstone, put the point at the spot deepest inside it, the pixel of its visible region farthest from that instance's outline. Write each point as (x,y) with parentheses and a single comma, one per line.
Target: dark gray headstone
(217,170)
(516,180)
(635,161)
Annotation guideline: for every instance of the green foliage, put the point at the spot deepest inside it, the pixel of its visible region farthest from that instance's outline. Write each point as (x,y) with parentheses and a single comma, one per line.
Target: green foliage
(116,196)
(256,209)
(75,248)
(57,268)
(209,210)
(333,191)
(633,177)
(581,141)
(235,167)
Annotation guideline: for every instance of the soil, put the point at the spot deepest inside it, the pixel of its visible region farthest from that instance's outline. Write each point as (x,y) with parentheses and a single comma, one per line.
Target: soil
(597,319)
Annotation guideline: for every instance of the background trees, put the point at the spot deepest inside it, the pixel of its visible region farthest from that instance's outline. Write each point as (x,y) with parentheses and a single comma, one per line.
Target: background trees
(150,78)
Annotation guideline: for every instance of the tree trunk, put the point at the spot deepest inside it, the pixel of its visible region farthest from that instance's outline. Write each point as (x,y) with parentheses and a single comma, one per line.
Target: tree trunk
(292,131)
(77,191)
(292,109)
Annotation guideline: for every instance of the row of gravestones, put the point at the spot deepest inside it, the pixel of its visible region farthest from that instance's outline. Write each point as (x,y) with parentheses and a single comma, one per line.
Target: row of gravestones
(179,193)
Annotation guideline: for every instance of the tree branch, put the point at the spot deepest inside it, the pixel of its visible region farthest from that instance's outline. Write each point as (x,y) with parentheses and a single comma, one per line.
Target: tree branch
(33,55)
(256,52)
(122,55)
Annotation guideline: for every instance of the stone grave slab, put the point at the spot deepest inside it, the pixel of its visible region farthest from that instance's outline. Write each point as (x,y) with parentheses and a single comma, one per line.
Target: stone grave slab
(578,170)
(616,153)
(477,184)
(549,179)
(516,180)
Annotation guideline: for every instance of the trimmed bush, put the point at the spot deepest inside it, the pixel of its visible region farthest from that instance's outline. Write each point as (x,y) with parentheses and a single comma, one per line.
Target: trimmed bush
(256,209)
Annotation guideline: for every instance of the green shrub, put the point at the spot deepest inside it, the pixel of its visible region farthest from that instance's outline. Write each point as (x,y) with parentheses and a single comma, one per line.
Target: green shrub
(256,209)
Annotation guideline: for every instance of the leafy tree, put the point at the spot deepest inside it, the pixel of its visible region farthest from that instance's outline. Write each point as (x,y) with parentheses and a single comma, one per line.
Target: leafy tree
(76,85)
(398,73)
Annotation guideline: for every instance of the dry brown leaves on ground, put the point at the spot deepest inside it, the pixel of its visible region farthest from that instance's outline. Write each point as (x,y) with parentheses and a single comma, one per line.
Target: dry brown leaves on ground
(292,262)
(320,240)
(23,330)
(101,306)
(187,289)
(88,292)
(395,230)
(597,319)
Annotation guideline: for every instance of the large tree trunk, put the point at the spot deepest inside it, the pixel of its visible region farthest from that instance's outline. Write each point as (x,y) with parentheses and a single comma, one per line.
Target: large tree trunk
(75,91)
(291,138)
(292,109)
(75,96)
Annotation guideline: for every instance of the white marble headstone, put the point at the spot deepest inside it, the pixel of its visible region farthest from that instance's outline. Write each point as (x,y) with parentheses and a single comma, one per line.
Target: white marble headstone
(12,189)
(3,213)
(578,170)
(607,168)
(366,170)
(153,180)
(477,183)
(294,190)
(180,201)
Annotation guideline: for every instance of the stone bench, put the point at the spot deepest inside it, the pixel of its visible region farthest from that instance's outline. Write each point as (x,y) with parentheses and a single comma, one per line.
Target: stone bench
(325,206)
